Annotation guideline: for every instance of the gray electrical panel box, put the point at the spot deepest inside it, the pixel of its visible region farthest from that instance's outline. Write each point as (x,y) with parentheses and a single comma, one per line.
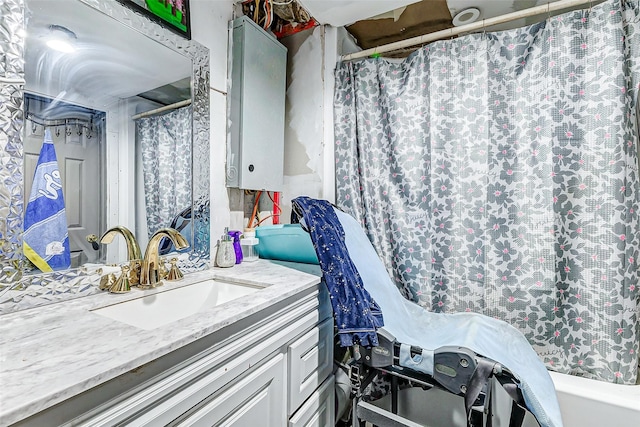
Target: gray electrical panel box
(255,155)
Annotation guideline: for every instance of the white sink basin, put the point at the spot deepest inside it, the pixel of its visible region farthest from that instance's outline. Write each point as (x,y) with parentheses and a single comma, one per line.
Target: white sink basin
(152,311)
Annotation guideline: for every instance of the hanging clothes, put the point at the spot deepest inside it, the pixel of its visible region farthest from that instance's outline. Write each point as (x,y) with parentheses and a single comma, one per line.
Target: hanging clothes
(357,315)
(46,239)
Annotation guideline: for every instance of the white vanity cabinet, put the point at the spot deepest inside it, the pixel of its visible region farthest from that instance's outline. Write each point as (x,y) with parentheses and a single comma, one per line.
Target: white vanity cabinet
(271,369)
(319,409)
(310,363)
(253,400)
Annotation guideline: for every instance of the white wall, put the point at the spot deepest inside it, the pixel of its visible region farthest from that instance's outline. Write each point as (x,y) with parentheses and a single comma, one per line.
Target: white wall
(304,118)
(309,161)
(304,156)
(309,142)
(209,20)
(309,145)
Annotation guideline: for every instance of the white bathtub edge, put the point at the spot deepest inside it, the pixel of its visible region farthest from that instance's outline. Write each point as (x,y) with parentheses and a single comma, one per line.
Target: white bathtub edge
(620,395)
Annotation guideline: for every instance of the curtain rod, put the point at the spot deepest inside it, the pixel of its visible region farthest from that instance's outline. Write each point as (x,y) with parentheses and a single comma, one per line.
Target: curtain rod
(161,109)
(449,32)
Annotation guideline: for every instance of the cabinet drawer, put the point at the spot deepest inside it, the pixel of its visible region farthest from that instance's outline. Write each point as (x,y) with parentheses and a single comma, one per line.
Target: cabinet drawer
(254,400)
(319,409)
(310,363)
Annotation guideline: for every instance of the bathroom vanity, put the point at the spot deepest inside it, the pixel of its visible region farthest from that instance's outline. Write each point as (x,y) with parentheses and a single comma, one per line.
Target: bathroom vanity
(262,359)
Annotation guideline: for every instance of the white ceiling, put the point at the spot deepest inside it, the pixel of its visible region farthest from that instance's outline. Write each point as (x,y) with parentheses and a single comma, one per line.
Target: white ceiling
(112,61)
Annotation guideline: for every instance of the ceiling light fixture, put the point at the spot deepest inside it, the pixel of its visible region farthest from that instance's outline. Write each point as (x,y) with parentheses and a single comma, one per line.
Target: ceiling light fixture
(466,16)
(61,39)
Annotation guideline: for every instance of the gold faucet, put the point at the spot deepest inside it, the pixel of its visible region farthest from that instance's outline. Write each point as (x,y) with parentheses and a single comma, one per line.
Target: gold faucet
(133,249)
(134,254)
(151,274)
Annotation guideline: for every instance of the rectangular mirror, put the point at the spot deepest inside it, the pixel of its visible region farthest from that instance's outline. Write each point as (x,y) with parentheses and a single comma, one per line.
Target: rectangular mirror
(128,111)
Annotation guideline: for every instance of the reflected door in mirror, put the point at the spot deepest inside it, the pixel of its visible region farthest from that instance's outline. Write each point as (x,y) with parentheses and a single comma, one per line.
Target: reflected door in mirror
(79,157)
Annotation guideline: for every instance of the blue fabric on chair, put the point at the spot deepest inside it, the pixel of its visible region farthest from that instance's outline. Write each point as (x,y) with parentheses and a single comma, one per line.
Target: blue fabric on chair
(356,314)
(413,325)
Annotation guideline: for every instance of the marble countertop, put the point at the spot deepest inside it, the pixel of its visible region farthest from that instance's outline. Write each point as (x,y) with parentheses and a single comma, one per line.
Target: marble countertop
(51,353)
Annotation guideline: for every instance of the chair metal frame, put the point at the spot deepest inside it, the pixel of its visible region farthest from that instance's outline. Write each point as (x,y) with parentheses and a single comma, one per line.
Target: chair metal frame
(457,370)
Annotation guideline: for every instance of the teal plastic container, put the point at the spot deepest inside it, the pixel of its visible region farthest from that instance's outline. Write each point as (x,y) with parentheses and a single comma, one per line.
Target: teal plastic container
(285,242)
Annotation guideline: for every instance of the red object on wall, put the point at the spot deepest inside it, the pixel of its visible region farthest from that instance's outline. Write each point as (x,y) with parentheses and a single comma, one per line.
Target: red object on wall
(276,208)
(290,29)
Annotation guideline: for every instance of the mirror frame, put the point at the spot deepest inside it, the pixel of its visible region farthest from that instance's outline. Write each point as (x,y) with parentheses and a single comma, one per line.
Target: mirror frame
(45,288)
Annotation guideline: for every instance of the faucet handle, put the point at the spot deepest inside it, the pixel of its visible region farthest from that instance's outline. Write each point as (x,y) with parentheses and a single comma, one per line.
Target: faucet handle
(93,239)
(107,281)
(122,285)
(174,271)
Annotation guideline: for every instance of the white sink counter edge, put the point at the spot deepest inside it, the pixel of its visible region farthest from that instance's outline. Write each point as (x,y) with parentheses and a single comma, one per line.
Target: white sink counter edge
(51,353)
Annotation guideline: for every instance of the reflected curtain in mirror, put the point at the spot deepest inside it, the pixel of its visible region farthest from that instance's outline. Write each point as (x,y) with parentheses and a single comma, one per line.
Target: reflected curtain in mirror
(164,144)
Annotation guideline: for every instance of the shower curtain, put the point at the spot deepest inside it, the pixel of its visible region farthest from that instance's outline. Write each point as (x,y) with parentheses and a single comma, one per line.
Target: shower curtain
(498,173)
(165,146)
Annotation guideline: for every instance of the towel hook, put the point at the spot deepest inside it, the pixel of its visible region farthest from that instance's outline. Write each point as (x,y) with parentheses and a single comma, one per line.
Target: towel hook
(90,128)
(57,131)
(79,129)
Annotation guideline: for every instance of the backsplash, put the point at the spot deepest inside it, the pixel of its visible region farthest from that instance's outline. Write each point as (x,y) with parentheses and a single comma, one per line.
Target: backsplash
(43,289)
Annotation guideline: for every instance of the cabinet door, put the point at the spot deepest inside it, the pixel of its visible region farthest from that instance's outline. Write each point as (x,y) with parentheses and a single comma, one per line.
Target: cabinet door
(310,363)
(319,409)
(257,105)
(254,400)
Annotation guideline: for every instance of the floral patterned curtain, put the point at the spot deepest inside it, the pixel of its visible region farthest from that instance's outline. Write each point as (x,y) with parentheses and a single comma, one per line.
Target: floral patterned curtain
(165,143)
(498,173)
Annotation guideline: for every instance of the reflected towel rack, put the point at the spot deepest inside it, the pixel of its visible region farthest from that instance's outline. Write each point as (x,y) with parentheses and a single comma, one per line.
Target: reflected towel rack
(162,109)
(69,124)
